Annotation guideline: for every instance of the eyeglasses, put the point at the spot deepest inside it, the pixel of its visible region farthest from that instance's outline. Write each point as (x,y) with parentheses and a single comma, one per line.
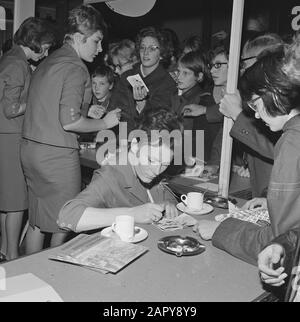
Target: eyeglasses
(243,60)
(216,65)
(151,49)
(252,105)
(120,66)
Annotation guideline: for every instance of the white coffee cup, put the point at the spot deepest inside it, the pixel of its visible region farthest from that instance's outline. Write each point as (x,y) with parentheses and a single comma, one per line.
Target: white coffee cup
(124,227)
(193,200)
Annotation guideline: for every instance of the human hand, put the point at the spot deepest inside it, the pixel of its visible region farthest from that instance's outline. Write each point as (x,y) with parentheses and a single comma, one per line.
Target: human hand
(193,110)
(220,35)
(271,255)
(112,118)
(96,111)
(255,203)
(139,93)
(170,210)
(206,228)
(18,108)
(147,213)
(231,105)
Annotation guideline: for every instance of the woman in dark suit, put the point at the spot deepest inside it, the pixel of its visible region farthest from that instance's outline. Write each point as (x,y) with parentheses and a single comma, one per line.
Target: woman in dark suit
(60,90)
(32,41)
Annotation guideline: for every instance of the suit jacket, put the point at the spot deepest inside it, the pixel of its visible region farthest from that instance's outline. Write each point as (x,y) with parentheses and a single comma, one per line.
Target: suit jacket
(111,187)
(15,75)
(60,88)
(161,87)
(245,240)
(259,145)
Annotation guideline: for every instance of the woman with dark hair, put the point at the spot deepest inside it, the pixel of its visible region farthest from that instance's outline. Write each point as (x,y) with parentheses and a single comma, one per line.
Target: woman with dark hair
(134,101)
(132,188)
(275,99)
(31,41)
(59,92)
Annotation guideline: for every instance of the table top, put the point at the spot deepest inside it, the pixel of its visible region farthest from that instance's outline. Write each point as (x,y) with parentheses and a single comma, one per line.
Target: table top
(156,276)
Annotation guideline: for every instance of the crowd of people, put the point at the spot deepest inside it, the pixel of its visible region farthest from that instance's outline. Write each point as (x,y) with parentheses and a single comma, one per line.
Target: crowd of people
(44,112)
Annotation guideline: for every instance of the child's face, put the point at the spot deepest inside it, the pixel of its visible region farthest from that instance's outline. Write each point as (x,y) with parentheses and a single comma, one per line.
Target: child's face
(101,86)
(186,78)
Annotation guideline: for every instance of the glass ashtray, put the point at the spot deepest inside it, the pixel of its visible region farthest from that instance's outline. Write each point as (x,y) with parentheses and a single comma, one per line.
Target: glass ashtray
(180,246)
(217,201)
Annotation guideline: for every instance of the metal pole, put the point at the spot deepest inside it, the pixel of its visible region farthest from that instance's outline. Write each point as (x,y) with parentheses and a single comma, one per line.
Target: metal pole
(233,72)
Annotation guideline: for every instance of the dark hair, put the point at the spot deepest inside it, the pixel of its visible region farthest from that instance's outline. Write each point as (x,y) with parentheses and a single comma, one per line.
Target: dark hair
(266,79)
(159,120)
(86,20)
(263,42)
(153,32)
(194,43)
(104,71)
(33,33)
(221,50)
(196,62)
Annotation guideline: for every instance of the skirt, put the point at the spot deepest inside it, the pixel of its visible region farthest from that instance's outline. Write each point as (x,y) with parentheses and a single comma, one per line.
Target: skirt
(13,190)
(53,178)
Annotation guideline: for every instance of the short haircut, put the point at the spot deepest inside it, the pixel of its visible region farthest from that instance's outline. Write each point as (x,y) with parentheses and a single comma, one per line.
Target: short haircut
(263,42)
(194,43)
(196,62)
(104,71)
(291,64)
(266,79)
(33,33)
(125,48)
(160,120)
(86,20)
(220,50)
(165,51)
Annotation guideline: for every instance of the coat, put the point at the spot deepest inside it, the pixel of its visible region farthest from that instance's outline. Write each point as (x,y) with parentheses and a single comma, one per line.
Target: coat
(161,87)
(245,240)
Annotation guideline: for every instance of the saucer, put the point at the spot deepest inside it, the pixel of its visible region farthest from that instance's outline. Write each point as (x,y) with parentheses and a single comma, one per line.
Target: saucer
(140,234)
(205,209)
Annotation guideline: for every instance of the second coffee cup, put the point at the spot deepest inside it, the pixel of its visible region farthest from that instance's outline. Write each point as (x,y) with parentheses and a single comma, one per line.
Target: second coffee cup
(193,200)
(124,227)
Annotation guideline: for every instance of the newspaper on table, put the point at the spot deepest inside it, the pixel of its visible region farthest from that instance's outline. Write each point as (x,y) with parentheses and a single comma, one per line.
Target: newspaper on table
(258,216)
(99,253)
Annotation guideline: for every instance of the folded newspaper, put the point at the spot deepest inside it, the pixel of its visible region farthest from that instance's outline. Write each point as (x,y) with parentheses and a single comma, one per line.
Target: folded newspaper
(99,253)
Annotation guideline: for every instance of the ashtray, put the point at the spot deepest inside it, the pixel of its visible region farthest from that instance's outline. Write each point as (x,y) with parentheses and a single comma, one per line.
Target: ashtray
(180,246)
(217,201)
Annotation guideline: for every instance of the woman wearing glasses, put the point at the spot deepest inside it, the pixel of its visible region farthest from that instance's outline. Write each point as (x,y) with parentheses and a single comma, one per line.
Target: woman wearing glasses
(134,101)
(275,100)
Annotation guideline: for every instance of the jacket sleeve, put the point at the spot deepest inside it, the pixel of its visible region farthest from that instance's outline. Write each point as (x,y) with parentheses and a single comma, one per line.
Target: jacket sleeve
(213,115)
(284,187)
(13,89)
(242,239)
(245,131)
(95,195)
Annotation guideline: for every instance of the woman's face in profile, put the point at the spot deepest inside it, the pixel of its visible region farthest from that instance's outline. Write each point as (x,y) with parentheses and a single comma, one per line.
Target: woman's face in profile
(275,123)
(88,48)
